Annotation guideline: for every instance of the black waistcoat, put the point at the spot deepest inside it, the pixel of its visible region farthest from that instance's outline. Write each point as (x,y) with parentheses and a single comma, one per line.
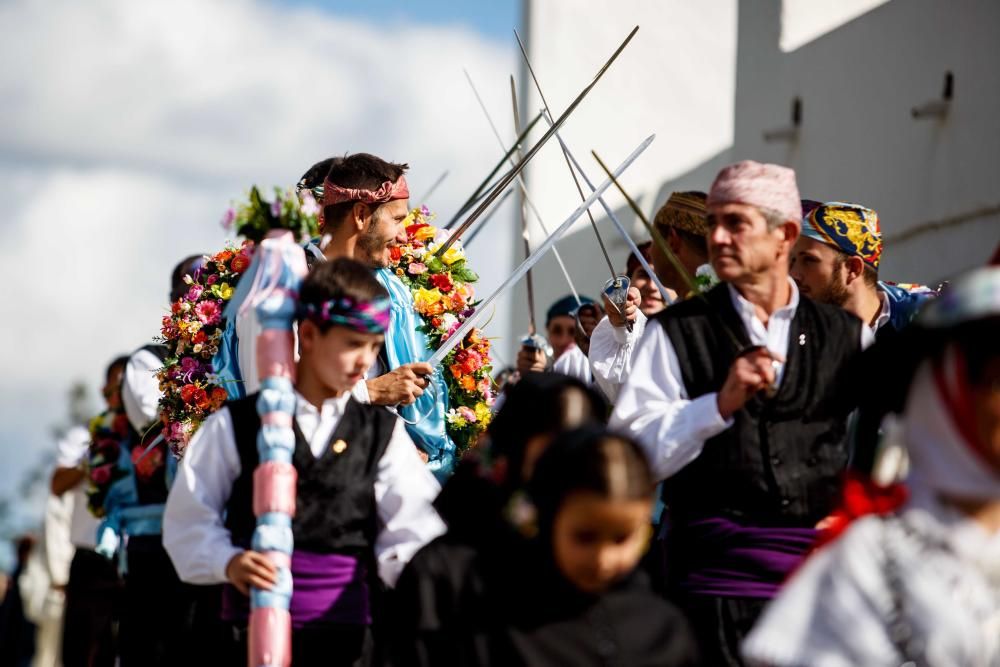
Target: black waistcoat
(335,494)
(779,464)
(151,491)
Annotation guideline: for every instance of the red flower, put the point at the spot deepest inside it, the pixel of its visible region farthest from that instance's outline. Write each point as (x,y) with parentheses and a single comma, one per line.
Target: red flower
(412,229)
(188,392)
(219,396)
(239,264)
(395,253)
(120,424)
(223,256)
(442,281)
(201,399)
(199,337)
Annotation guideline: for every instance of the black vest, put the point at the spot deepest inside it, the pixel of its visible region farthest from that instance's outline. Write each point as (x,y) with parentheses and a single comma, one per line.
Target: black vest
(335,494)
(152,491)
(780,462)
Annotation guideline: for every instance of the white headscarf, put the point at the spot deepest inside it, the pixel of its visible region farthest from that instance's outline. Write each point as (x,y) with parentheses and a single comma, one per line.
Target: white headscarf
(940,458)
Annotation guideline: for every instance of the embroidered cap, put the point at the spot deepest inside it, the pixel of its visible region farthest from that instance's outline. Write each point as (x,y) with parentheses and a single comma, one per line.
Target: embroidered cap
(769,186)
(850,228)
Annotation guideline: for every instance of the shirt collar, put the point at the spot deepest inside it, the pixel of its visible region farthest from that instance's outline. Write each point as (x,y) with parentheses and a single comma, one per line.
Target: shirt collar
(332,407)
(885,314)
(748,310)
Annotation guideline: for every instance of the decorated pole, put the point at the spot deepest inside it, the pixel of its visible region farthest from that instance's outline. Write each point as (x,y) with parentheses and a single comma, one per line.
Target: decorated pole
(281,265)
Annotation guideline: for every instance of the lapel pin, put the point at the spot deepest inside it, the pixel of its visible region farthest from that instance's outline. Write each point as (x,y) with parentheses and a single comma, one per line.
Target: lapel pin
(339,447)
(802,339)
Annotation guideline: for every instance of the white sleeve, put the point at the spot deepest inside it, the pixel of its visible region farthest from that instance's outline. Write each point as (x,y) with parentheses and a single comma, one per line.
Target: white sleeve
(573,363)
(193,533)
(72,447)
(247,329)
(141,390)
(653,407)
(404,494)
(360,392)
(611,351)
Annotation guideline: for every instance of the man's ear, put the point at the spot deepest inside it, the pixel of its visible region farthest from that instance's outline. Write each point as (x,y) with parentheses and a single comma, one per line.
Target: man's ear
(359,215)
(854,268)
(673,241)
(791,232)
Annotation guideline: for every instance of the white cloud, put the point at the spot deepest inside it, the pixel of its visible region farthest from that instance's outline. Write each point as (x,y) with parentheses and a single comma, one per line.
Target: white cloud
(128,127)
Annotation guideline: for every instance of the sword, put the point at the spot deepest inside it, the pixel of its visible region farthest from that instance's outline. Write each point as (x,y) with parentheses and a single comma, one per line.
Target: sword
(522,186)
(615,289)
(475,196)
(525,237)
(486,218)
(506,180)
(619,226)
(458,336)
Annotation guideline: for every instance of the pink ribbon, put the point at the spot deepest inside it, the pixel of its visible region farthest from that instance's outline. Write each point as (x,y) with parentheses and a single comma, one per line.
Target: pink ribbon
(388,191)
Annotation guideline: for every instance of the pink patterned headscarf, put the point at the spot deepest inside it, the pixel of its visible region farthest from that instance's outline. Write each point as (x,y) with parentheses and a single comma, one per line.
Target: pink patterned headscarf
(768,186)
(387,192)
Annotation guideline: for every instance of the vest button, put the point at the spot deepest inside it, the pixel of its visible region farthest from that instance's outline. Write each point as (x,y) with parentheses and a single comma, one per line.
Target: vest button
(776,461)
(785,502)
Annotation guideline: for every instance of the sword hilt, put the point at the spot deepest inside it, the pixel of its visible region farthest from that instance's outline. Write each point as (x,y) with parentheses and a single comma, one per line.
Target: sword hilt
(616,290)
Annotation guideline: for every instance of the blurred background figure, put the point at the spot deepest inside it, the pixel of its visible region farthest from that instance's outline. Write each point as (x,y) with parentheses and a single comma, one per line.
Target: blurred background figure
(17,633)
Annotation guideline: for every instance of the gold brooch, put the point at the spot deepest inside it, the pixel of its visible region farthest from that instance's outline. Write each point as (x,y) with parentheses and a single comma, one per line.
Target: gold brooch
(339,447)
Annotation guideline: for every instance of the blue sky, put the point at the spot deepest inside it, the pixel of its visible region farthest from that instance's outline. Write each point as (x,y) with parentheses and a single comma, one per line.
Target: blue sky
(492,18)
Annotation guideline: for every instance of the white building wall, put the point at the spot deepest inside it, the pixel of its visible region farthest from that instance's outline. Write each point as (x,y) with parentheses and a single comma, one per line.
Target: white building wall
(934,181)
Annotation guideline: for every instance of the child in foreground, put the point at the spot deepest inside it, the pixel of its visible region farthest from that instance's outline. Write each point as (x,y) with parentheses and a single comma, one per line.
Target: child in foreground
(363,495)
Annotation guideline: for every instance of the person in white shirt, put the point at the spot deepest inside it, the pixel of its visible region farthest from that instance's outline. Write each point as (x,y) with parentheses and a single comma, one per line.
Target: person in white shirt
(363,495)
(733,395)
(681,223)
(920,585)
(93,590)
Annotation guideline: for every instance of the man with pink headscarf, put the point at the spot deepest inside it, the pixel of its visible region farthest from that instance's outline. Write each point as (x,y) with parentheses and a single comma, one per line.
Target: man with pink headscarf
(733,398)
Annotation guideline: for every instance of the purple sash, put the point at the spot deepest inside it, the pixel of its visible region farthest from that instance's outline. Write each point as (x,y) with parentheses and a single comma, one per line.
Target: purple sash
(726,559)
(327,589)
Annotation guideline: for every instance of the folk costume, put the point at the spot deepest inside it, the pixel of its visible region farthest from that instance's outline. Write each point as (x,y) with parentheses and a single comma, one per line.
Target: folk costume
(363,508)
(920,585)
(744,495)
(161,618)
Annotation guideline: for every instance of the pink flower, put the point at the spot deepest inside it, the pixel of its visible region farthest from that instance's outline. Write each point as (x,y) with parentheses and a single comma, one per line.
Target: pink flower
(228,218)
(276,208)
(468,414)
(101,474)
(208,312)
(416,268)
(309,205)
(212,279)
(194,292)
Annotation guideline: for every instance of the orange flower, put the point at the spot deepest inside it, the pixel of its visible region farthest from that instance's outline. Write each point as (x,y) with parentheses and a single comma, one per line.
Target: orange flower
(468,382)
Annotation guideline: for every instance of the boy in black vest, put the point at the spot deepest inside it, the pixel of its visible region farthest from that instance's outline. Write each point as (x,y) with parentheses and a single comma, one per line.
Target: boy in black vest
(363,495)
(733,396)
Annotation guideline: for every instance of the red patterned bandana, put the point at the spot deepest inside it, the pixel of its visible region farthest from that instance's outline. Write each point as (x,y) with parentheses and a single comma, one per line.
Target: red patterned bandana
(387,192)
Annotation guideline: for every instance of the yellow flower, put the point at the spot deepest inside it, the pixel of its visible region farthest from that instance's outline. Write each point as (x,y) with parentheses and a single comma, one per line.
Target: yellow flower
(482,412)
(226,291)
(425,300)
(425,233)
(452,255)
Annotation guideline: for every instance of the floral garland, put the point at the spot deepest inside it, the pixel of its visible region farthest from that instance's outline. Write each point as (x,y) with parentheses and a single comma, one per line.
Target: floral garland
(443,297)
(193,331)
(108,431)
(190,390)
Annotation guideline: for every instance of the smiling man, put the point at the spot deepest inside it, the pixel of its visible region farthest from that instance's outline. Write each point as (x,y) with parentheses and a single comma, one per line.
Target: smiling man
(732,396)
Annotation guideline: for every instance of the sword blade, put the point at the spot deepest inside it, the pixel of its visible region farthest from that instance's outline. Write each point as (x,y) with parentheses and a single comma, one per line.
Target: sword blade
(459,335)
(524,196)
(525,237)
(506,180)
(618,225)
(576,181)
(486,218)
(476,195)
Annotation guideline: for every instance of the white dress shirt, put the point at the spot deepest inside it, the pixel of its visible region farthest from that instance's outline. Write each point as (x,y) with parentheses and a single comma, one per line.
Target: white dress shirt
(884,313)
(574,363)
(611,350)
(141,389)
(71,452)
(653,405)
(199,544)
